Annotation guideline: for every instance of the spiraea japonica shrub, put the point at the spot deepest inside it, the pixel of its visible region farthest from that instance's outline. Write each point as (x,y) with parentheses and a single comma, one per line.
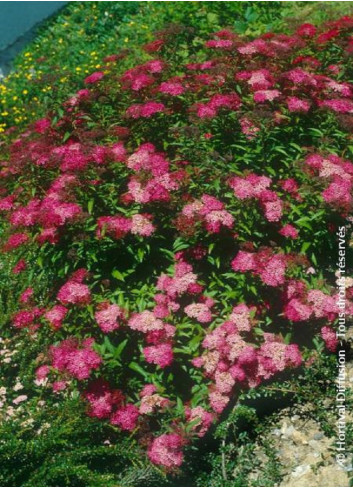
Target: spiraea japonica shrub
(172,228)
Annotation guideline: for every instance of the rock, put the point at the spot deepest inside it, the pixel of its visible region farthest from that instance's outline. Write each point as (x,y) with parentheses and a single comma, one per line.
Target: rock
(299,438)
(318,436)
(289,432)
(330,476)
(300,471)
(305,454)
(284,428)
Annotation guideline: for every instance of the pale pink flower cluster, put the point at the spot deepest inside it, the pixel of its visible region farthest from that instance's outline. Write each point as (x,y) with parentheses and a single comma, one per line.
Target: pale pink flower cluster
(200,418)
(118,227)
(166,450)
(210,211)
(74,293)
(339,174)
(145,322)
(141,225)
(160,182)
(160,354)
(151,401)
(250,186)
(107,317)
(199,311)
(248,128)
(241,317)
(257,79)
(183,281)
(230,360)
(330,338)
(302,304)
(266,95)
(256,187)
(56,315)
(270,267)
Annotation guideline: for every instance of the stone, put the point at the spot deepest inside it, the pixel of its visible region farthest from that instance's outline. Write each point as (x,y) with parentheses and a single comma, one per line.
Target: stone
(318,436)
(299,438)
(300,471)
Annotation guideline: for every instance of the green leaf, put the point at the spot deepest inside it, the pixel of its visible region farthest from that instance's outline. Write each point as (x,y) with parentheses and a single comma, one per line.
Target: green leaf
(305,247)
(90,206)
(119,276)
(212,18)
(66,136)
(137,368)
(120,348)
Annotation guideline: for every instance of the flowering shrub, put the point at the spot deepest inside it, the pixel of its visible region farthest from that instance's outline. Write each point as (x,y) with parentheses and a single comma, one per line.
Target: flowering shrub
(91,31)
(185,219)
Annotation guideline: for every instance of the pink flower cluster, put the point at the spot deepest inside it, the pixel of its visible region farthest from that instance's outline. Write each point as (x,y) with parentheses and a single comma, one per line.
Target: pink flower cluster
(118,227)
(68,357)
(210,211)
(330,338)
(270,267)
(172,87)
(248,128)
(184,281)
(146,110)
(166,450)
(256,187)
(147,162)
(102,399)
(200,418)
(105,402)
(142,76)
(160,354)
(94,78)
(15,241)
(50,213)
(210,109)
(302,304)
(56,315)
(156,332)
(339,173)
(27,318)
(200,311)
(151,401)
(74,291)
(229,359)
(257,79)
(107,317)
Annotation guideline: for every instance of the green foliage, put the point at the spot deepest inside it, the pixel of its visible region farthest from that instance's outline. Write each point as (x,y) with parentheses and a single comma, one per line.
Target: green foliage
(56,445)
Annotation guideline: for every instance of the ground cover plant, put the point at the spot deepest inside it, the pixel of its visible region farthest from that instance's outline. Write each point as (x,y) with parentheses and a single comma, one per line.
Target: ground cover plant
(170,245)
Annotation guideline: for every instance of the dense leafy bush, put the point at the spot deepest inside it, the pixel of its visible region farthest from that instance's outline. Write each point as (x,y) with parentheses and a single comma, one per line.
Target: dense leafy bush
(172,232)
